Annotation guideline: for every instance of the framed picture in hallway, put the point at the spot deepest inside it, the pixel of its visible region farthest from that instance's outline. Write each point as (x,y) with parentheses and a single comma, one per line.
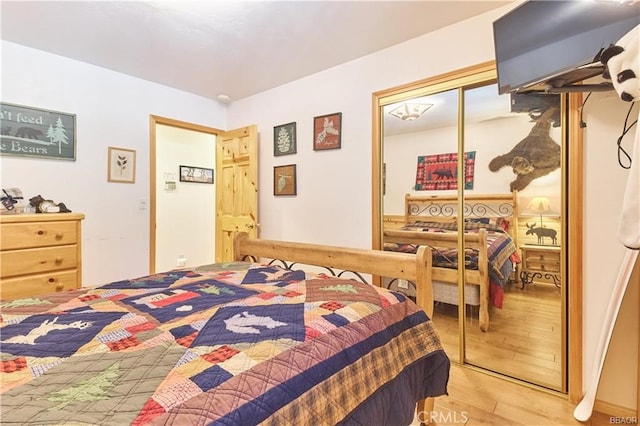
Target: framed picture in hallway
(196,174)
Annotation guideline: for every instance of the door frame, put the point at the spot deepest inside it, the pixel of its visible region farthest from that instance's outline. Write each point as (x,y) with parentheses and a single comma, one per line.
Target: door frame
(154,120)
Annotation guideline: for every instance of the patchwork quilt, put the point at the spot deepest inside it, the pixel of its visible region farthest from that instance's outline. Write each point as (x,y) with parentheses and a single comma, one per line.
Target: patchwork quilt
(501,251)
(229,344)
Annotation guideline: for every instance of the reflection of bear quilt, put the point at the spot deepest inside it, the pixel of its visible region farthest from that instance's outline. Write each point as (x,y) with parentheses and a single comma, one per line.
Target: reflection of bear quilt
(233,344)
(435,172)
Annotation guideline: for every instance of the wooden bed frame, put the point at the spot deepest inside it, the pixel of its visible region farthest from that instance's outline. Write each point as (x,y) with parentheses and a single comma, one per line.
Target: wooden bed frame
(412,267)
(444,209)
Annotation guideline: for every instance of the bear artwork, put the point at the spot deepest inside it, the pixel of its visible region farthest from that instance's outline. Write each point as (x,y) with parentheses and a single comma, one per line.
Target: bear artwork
(28,132)
(534,156)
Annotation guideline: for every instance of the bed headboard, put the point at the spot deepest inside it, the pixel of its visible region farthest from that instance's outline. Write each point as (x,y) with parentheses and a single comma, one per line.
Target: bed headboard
(444,208)
(412,267)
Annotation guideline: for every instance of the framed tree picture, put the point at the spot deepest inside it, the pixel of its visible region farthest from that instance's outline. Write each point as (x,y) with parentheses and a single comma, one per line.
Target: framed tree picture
(122,165)
(284,180)
(327,131)
(284,139)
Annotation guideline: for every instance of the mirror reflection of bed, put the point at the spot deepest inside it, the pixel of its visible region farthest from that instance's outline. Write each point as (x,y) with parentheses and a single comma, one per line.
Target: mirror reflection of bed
(519,332)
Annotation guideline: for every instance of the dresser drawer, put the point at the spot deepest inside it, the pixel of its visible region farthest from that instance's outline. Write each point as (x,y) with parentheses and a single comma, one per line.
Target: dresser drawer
(543,265)
(38,260)
(38,234)
(37,285)
(542,260)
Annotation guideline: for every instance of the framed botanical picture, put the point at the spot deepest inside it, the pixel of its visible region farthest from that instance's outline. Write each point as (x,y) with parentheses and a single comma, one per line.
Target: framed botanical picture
(327,131)
(122,165)
(284,180)
(284,139)
(196,174)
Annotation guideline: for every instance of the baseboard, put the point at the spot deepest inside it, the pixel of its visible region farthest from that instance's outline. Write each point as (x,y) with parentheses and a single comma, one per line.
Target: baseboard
(614,410)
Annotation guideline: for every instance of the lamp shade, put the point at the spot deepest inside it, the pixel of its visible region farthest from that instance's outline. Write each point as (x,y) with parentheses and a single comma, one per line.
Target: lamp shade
(539,205)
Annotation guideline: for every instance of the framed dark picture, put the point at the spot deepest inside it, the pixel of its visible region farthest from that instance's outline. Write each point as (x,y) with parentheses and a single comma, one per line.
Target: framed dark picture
(196,174)
(284,139)
(327,131)
(284,180)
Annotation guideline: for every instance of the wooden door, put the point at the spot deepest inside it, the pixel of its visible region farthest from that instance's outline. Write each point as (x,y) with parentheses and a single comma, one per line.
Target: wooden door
(237,188)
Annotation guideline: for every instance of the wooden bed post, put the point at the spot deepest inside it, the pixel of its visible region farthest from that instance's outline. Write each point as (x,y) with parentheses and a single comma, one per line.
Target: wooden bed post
(237,243)
(483,269)
(424,288)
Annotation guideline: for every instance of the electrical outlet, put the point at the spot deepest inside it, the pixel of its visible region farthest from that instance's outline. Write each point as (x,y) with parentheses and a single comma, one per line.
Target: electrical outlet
(181,261)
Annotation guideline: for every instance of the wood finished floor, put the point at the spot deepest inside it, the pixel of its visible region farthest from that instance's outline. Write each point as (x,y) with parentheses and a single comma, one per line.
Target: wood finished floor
(523,340)
(524,337)
(477,398)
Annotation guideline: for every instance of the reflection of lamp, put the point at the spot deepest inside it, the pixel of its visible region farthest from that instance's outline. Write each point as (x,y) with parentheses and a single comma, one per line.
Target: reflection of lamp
(540,205)
(410,111)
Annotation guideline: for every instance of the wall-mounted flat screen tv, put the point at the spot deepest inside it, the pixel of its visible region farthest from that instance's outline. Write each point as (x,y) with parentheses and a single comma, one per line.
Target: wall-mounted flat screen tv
(543,44)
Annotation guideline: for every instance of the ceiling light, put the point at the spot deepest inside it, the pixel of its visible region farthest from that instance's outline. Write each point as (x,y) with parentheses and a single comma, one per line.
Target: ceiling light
(410,111)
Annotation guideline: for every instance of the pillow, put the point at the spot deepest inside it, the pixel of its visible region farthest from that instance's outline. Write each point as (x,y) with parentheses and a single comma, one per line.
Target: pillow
(496,222)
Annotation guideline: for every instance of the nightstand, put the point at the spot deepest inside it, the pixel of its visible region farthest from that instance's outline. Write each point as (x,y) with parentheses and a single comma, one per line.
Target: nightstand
(542,262)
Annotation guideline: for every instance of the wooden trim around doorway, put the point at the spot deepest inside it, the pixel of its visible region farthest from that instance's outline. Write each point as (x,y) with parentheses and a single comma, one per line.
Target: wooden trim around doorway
(154,120)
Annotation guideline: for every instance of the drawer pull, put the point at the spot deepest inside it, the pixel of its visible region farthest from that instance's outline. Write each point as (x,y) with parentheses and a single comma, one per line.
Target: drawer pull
(40,232)
(59,235)
(60,286)
(58,260)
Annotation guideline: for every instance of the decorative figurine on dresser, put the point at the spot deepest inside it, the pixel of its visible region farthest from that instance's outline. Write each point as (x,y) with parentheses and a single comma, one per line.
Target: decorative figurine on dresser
(40,253)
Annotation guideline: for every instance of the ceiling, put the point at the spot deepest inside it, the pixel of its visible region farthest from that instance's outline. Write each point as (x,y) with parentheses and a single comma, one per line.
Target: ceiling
(232,48)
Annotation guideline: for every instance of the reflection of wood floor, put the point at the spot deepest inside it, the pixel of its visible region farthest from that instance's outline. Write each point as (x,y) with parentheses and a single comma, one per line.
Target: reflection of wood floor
(479,399)
(523,340)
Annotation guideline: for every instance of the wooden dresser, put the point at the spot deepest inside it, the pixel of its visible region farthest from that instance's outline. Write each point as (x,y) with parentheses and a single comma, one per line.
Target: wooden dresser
(39,254)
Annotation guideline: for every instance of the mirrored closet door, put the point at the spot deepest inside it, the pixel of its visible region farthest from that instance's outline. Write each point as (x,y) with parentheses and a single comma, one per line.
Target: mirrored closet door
(451,155)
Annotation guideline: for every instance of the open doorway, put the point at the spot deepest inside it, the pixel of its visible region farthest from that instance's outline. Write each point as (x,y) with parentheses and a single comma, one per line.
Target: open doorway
(182,205)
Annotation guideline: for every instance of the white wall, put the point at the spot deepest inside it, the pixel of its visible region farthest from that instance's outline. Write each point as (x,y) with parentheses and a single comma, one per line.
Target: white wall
(112,109)
(333,204)
(185,216)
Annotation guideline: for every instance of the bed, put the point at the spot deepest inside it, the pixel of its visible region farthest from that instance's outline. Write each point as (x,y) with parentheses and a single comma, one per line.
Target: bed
(237,343)
(491,253)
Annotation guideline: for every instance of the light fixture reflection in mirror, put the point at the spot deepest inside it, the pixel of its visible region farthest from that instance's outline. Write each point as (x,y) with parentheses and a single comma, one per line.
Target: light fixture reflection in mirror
(409,111)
